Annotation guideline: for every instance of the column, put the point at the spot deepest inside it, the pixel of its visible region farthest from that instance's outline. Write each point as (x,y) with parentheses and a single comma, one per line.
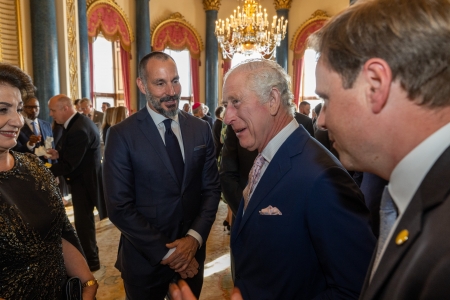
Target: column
(143,41)
(282,7)
(45,52)
(85,73)
(212,55)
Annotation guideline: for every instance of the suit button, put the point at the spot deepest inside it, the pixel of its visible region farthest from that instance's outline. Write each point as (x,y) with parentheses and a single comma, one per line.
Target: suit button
(237,276)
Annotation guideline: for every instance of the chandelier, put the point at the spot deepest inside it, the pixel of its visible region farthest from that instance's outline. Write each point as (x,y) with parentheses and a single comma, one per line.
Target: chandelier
(247,31)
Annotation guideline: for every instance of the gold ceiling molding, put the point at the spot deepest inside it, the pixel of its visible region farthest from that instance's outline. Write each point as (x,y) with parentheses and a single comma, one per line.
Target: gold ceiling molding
(318,15)
(211,4)
(178,18)
(73,49)
(282,4)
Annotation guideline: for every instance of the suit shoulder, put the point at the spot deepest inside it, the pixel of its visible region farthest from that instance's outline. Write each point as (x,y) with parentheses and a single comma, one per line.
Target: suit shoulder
(310,150)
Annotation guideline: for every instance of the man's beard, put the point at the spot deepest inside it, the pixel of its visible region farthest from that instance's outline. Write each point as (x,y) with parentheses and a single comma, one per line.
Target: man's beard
(156,103)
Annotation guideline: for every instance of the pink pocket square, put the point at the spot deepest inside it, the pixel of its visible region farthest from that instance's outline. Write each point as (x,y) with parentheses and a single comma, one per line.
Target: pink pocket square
(269,210)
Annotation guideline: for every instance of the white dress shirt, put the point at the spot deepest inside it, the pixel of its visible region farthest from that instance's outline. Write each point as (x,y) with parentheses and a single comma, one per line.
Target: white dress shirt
(158,119)
(410,172)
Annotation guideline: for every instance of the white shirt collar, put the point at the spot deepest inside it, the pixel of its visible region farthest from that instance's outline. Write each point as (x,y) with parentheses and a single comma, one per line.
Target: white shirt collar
(275,143)
(157,117)
(28,121)
(68,120)
(412,169)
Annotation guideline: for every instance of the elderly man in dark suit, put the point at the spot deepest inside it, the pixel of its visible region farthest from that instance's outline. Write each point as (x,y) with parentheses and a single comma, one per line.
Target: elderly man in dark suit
(161,185)
(79,161)
(35,131)
(302,219)
(385,65)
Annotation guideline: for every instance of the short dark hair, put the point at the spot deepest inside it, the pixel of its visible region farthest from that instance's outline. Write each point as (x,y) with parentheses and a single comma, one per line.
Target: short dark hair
(27,98)
(218,111)
(15,77)
(304,103)
(145,59)
(107,104)
(318,108)
(76,101)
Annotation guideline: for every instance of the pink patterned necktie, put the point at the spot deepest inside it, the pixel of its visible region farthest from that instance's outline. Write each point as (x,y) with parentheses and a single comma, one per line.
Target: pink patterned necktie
(253,178)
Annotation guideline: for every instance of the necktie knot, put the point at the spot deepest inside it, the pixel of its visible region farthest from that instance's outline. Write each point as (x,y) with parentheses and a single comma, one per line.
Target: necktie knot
(168,125)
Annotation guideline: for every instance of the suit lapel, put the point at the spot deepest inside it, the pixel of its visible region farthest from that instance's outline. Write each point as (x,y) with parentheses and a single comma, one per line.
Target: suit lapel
(151,132)
(430,193)
(278,167)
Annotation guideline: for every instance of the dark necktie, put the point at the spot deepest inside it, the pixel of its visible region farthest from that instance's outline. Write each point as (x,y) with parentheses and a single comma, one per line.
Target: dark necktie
(388,215)
(174,151)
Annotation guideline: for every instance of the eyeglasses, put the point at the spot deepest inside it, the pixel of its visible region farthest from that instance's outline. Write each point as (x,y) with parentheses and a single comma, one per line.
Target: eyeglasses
(31,107)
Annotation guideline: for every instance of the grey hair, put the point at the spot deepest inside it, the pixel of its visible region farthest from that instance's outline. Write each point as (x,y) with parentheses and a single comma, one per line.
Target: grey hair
(262,76)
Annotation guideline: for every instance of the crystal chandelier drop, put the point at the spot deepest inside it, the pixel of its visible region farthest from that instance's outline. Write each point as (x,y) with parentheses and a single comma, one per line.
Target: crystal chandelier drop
(248,31)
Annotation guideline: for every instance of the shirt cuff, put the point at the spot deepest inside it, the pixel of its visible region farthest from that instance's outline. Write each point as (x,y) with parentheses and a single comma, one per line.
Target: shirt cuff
(196,236)
(30,147)
(172,250)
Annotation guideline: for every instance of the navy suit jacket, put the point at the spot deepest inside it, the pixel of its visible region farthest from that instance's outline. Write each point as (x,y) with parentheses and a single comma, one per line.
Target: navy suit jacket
(320,247)
(419,268)
(145,200)
(26,132)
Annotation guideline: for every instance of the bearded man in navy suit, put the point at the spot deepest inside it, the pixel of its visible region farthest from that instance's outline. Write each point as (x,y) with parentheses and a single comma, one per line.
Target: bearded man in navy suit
(161,186)
(302,229)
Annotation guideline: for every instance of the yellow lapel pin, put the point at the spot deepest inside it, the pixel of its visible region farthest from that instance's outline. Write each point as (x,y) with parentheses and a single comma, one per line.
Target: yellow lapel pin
(402,237)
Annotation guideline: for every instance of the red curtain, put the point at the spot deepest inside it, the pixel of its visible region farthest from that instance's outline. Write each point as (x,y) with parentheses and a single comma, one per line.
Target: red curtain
(298,74)
(91,70)
(195,79)
(125,59)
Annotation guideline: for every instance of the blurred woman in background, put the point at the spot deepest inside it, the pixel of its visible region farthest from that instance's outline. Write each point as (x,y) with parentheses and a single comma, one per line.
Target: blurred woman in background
(108,119)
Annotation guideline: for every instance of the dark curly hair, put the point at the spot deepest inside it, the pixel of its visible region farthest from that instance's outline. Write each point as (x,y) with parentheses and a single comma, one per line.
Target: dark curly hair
(14,76)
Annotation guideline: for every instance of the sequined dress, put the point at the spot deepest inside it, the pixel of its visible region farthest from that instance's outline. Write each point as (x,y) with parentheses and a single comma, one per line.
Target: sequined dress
(32,222)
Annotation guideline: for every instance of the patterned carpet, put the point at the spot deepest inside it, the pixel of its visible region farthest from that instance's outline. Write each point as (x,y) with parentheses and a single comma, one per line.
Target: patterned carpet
(217,283)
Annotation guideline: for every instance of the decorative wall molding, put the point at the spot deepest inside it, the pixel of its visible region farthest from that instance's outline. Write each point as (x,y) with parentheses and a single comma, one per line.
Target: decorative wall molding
(73,48)
(211,4)
(109,18)
(177,34)
(282,4)
(11,47)
(314,23)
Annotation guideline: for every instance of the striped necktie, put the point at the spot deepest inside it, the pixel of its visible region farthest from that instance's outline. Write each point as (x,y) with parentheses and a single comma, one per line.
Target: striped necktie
(253,178)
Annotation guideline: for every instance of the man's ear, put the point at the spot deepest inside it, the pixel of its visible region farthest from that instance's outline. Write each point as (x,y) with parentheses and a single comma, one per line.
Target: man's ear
(140,85)
(274,101)
(378,75)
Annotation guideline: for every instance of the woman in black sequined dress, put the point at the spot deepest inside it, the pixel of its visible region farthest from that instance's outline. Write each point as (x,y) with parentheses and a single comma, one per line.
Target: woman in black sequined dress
(39,248)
